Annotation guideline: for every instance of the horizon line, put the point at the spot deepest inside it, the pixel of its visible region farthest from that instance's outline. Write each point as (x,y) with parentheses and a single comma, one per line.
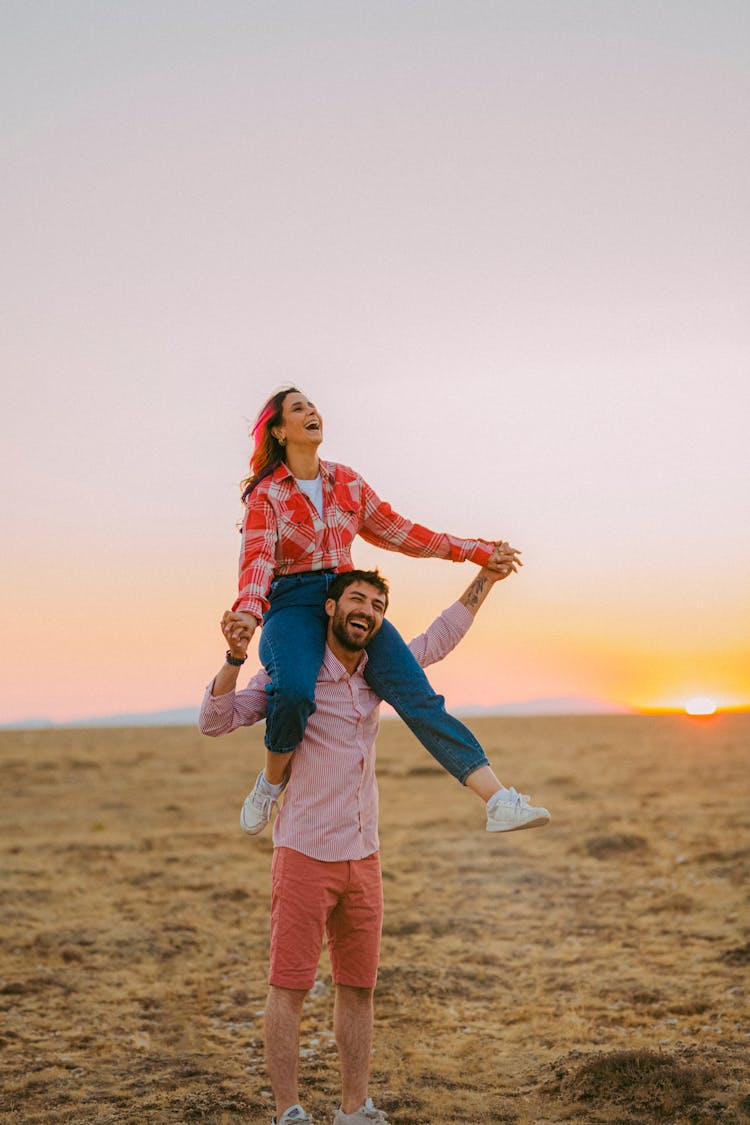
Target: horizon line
(560,707)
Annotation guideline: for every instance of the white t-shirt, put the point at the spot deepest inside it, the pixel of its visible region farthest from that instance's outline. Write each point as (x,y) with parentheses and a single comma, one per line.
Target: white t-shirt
(313,489)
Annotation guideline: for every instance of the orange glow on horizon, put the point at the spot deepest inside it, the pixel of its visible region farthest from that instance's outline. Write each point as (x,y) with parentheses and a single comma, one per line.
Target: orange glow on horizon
(152,641)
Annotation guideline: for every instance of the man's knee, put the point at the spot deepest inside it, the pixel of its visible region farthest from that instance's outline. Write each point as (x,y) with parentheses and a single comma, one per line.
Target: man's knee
(351,993)
(290,998)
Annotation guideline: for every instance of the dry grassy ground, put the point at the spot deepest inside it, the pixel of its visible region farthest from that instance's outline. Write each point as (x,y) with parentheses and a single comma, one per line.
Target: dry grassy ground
(592,971)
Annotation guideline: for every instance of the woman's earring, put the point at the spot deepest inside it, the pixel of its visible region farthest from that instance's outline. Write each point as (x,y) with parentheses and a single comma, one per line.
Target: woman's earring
(281,441)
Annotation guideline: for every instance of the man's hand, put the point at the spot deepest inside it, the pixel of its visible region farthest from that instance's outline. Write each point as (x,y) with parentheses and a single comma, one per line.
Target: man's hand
(238,629)
(503,561)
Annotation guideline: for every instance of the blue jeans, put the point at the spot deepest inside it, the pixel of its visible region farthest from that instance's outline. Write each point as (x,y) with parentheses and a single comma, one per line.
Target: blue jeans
(292,642)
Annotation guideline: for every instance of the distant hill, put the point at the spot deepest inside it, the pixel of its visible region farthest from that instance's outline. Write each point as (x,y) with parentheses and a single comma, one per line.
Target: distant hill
(563,705)
(178,717)
(188,716)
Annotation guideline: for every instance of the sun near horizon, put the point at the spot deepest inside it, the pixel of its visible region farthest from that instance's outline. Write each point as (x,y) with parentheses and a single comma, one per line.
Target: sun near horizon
(699,705)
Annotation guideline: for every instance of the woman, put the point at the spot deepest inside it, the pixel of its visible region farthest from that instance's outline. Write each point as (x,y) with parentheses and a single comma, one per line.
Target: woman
(301,516)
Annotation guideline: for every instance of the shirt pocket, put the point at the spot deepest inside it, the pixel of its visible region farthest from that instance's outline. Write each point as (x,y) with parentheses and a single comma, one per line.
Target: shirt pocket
(296,534)
(343,514)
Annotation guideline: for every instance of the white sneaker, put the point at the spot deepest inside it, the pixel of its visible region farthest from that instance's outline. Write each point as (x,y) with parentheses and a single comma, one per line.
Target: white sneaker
(365,1113)
(512,810)
(295,1115)
(257,809)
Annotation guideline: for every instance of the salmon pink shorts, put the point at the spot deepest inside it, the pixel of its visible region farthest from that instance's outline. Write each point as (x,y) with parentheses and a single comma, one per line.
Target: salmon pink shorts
(343,900)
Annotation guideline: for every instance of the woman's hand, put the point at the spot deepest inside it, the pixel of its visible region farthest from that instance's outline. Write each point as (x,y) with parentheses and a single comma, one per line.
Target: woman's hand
(238,629)
(504,560)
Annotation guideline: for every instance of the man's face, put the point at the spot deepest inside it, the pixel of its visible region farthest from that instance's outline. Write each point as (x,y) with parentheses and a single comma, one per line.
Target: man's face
(357,615)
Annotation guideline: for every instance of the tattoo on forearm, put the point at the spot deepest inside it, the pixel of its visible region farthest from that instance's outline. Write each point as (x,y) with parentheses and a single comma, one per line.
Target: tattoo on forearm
(475,591)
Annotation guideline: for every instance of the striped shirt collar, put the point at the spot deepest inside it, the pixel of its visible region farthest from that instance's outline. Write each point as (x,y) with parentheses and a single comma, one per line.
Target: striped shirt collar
(333,669)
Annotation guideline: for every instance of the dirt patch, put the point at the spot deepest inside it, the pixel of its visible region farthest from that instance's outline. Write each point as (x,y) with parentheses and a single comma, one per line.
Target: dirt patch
(588,972)
(603,847)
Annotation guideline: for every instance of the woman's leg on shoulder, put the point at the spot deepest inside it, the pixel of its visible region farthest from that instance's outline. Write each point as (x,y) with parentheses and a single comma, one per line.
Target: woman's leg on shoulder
(394,674)
(291,648)
(397,678)
(292,640)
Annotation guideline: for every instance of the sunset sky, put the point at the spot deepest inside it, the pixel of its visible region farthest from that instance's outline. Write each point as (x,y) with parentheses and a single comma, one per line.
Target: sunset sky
(502,245)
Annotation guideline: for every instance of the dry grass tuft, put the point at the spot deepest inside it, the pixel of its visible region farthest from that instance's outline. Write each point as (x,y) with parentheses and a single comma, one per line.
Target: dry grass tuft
(639,1081)
(738,956)
(687,1086)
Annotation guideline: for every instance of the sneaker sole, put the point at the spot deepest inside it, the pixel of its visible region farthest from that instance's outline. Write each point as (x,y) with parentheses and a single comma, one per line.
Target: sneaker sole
(538,822)
(256,831)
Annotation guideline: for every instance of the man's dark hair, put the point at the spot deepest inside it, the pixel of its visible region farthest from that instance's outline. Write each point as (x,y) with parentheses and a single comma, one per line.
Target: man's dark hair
(372,577)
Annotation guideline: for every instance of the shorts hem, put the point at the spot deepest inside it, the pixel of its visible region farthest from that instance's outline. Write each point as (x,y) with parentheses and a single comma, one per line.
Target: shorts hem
(277,982)
(370,985)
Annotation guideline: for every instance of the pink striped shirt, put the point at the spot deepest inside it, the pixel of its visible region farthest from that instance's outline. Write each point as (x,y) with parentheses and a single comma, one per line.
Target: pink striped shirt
(330,806)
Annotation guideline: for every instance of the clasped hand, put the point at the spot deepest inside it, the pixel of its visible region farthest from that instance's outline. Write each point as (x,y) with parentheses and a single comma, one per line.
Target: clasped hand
(238,629)
(504,560)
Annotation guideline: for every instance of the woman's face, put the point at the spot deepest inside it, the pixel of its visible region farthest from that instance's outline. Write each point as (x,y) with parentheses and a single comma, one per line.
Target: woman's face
(301,425)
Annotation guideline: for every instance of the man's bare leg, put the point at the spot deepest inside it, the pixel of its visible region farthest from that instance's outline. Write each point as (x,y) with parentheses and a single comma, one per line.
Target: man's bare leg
(282,1018)
(352,1026)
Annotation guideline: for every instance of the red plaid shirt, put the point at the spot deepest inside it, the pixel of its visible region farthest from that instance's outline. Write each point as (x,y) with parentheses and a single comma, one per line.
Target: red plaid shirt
(283,533)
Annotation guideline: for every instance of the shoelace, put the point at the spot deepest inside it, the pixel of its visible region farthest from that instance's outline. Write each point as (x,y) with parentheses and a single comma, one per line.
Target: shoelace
(519,799)
(264,806)
(264,803)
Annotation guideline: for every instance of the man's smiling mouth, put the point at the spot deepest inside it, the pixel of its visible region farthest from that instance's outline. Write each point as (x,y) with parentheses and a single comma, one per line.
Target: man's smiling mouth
(360,625)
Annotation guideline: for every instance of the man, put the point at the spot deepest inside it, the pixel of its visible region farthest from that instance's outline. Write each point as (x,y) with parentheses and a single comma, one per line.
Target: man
(326,864)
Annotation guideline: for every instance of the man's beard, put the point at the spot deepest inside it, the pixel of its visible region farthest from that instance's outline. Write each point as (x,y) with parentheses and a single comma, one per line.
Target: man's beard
(352,642)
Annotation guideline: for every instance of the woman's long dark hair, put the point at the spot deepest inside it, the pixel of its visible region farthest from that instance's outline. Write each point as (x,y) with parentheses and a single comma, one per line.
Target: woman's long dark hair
(267,453)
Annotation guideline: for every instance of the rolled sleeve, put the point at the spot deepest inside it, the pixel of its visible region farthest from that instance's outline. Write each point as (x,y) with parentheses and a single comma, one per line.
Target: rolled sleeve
(221,714)
(442,636)
(478,551)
